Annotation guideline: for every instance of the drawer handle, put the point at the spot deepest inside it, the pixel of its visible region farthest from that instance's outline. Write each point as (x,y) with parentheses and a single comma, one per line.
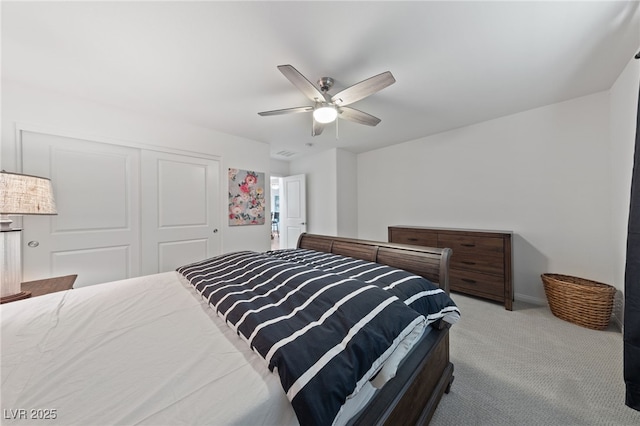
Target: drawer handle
(468,245)
(470,281)
(412,239)
(466,262)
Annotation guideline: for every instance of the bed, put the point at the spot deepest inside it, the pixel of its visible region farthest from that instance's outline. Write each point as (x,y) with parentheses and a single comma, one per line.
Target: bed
(151,350)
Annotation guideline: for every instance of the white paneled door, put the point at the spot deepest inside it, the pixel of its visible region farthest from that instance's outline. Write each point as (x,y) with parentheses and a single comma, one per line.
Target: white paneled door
(180,214)
(293,210)
(122,211)
(96,233)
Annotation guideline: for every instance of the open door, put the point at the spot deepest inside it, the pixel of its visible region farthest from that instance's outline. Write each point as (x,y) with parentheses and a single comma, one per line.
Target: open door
(293,210)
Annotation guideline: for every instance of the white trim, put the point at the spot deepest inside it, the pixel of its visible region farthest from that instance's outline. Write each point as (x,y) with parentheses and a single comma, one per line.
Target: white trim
(617,316)
(617,322)
(530,299)
(615,319)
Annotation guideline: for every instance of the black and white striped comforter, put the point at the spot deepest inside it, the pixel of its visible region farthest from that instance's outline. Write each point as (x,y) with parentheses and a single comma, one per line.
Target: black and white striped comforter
(325,334)
(415,291)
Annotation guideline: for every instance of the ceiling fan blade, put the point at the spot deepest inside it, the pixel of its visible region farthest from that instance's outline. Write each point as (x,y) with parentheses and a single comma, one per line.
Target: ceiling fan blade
(286,111)
(363,89)
(358,116)
(317,128)
(301,82)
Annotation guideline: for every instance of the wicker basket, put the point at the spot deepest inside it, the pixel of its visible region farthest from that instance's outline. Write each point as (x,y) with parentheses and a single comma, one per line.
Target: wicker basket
(578,300)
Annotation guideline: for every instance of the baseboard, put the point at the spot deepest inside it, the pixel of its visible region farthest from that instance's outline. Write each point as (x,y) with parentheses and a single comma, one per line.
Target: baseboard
(617,314)
(530,299)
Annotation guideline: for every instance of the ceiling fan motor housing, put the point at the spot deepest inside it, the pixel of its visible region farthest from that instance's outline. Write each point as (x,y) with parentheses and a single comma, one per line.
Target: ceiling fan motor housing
(325,84)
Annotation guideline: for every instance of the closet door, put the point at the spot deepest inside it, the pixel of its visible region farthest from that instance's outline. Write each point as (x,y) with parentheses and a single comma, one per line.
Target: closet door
(180,210)
(96,233)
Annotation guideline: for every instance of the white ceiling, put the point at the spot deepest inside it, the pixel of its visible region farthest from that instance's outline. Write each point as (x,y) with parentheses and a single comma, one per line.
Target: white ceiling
(213,64)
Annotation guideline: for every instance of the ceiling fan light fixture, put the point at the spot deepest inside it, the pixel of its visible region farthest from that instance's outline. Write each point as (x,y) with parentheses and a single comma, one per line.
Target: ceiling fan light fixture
(325,113)
(327,108)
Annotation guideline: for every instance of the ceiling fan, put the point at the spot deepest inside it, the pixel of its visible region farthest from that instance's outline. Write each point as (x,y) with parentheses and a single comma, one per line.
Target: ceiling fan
(328,107)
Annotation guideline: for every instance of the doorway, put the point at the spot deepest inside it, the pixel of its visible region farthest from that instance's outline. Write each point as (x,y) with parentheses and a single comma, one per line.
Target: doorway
(276,185)
(289,211)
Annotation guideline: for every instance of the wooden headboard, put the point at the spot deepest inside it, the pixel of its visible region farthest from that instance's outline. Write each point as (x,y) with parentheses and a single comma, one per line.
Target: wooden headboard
(428,262)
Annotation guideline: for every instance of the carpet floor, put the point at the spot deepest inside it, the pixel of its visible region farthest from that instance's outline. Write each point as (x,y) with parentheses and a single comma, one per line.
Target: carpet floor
(528,367)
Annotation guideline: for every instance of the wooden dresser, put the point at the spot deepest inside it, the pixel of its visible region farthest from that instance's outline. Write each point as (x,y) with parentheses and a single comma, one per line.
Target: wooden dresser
(481,260)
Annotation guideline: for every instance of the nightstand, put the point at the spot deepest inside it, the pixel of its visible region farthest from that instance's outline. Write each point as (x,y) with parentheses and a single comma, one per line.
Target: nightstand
(49,285)
(14,297)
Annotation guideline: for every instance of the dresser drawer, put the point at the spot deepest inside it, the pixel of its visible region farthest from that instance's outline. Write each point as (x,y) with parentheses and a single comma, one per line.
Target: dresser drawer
(478,262)
(477,283)
(415,237)
(469,245)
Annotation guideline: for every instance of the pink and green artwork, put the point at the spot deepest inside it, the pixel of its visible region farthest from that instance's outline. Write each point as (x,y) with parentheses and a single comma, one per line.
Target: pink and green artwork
(246,197)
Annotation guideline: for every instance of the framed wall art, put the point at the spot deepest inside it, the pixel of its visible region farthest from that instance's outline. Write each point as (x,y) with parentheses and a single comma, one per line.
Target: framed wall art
(246,197)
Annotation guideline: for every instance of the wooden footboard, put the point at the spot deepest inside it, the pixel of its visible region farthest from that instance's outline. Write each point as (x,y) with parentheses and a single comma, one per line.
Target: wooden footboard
(426,373)
(412,396)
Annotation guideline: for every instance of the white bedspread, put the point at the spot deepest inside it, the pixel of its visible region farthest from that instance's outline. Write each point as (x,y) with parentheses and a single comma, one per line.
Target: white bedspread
(138,351)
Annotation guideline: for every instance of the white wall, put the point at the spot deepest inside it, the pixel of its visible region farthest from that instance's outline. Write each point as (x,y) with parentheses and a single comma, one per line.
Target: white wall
(543,174)
(623,110)
(331,191)
(624,105)
(321,175)
(54,112)
(347,193)
(279,168)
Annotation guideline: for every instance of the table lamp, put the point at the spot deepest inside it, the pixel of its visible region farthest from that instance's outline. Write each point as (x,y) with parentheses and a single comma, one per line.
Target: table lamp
(19,195)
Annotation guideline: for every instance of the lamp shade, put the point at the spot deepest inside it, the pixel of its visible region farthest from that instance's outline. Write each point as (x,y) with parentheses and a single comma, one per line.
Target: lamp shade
(25,195)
